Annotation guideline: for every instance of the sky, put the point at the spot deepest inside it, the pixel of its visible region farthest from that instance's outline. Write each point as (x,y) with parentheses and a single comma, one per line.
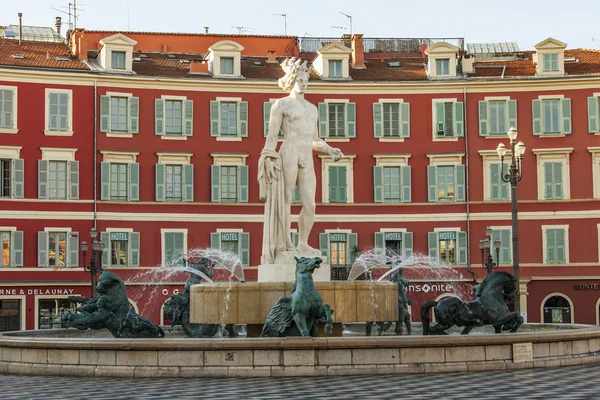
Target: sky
(526,22)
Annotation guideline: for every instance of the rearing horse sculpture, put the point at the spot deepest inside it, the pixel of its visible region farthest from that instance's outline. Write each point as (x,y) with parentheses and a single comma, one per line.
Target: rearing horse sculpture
(488,308)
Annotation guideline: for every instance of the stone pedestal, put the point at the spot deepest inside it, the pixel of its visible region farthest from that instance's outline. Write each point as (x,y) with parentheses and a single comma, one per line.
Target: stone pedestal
(284,268)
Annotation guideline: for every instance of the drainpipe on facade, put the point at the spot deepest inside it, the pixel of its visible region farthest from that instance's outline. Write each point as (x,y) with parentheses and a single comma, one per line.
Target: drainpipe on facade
(96,152)
(465,124)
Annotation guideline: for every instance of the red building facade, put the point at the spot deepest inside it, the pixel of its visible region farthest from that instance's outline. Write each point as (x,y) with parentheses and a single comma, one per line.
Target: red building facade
(154,140)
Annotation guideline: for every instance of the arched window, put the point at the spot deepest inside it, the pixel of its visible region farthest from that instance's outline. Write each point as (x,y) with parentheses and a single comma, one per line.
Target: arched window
(557,309)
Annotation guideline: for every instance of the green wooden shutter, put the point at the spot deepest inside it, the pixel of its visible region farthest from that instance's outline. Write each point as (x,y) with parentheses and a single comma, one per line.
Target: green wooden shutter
(537,117)
(214,119)
(215,180)
(405,120)
(73,180)
(134,181)
(551,246)
(458,119)
(245,249)
(53,114)
(432,183)
(295,236)
(215,240)
(459,173)
(266,116)
(188,182)
(560,246)
(73,249)
(342,185)
(504,186)
(406,184)
(495,181)
(350,115)
(377,120)
(18,176)
(433,245)
(379,243)
(159,120)
(462,248)
(440,118)
(188,118)
(42,249)
(333,184)
(104,113)
(105,238)
(558,181)
(378,184)
(352,248)
(505,256)
(554,61)
(548,181)
(169,239)
(593,111)
(160,182)
(512,114)
(407,244)
(323,120)
(242,183)
(134,114)
(105,181)
(43,181)
(547,62)
(16,251)
(134,249)
(324,244)
(242,118)
(483,118)
(566,116)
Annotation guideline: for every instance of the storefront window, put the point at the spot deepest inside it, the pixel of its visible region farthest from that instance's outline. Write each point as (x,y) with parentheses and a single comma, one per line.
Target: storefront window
(10,318)
(51,312)
(557,310)
(447,247)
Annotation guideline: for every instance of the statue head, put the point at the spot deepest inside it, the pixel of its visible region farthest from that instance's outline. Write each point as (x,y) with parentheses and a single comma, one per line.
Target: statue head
(296,75)
(307,264)
(109,281)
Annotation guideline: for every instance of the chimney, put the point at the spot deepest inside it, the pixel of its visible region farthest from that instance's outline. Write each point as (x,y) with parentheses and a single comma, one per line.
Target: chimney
(58,21)
(422,49)
(20,27)
(206,30)
(164,48)
(198,67)
(358,52)
(271,58)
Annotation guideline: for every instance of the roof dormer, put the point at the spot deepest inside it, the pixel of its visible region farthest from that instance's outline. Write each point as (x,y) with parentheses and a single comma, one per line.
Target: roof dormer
(549,57)
(116,54)
(225,59)
(332,61)
(441,62)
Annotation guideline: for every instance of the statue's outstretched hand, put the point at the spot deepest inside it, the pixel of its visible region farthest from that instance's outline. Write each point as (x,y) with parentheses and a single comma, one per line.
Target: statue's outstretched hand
(336,154)
(271,167)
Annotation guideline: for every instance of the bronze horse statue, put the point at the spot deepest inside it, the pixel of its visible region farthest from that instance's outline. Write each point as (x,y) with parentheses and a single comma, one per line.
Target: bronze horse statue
(488,308)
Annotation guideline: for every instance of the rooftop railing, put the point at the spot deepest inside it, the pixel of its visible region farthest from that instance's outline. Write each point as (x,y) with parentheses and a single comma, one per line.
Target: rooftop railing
(378,45)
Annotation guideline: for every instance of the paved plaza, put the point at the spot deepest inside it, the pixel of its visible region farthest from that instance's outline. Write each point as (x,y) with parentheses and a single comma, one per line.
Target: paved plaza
(577,382)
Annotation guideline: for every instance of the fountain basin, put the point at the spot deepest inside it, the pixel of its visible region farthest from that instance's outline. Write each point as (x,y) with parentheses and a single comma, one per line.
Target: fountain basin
(251,302)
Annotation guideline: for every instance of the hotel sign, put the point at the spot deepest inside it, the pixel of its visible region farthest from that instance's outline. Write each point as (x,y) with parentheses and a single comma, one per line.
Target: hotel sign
(118,236)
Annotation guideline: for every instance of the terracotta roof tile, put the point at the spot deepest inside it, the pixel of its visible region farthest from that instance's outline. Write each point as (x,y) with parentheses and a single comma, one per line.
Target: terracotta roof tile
(38,55)
(589,62)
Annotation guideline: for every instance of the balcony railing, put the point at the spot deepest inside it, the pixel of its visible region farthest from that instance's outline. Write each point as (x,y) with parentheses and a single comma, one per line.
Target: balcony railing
(339,272)
(378,45)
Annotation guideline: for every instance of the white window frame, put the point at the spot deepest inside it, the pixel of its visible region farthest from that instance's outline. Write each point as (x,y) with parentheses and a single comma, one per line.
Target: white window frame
(10,152)
(228,49)
(544,244)
(445,159)
(166,98)
(69,131)
(434,135)
(491,157)
(172,230)
(229,159)
(595,151)
(58,154)
(392,101)
(348,162)
(14,128)
(554,155)
(124,135)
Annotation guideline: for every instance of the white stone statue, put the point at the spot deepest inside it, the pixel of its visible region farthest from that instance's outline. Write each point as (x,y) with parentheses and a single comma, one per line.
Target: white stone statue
(279,173)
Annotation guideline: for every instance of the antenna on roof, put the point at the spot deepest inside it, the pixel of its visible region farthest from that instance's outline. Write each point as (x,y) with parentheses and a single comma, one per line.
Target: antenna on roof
(72,13)
(284,15)
(350,18)
(242,29)
(128,22)
(339,27)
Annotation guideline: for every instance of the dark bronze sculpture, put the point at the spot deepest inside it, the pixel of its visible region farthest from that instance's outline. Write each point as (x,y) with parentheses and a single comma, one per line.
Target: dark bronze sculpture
(403,303)
(489,308)
(111,309)
(300,313)
(179,305)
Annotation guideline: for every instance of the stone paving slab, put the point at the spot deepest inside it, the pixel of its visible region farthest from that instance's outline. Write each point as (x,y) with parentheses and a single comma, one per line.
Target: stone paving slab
(573,383)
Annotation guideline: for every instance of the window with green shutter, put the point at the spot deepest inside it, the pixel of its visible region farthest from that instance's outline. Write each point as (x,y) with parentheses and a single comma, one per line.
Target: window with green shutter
(6,244)
(121,249)
(119,114)
(335,69)
(229,119)
(446,183)
(341,248)
(119,181)
(504,236)
(173,183)
(117,60)
(394,244)
(593,114)
(391,120)
(7,107)
(337,184)
(58,111)
(174,248)
(58,249)
(226,65)
(5,178)
(449,119)
(550,62)
(499,190)
(442,67)
(229,183)
(173,117)
(552,116)
(392,184)
(57,180)
(556,246)
(337,120)
(553,180)
(448,247)
(233,242)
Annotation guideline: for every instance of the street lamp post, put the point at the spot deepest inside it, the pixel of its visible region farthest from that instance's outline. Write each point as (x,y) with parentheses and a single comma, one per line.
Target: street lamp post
(485,246)
(514,176)
(95,264)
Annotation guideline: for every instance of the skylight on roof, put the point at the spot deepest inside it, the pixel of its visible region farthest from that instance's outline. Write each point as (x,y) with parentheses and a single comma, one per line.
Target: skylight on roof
(19,56)
(493,48)
(394,64)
